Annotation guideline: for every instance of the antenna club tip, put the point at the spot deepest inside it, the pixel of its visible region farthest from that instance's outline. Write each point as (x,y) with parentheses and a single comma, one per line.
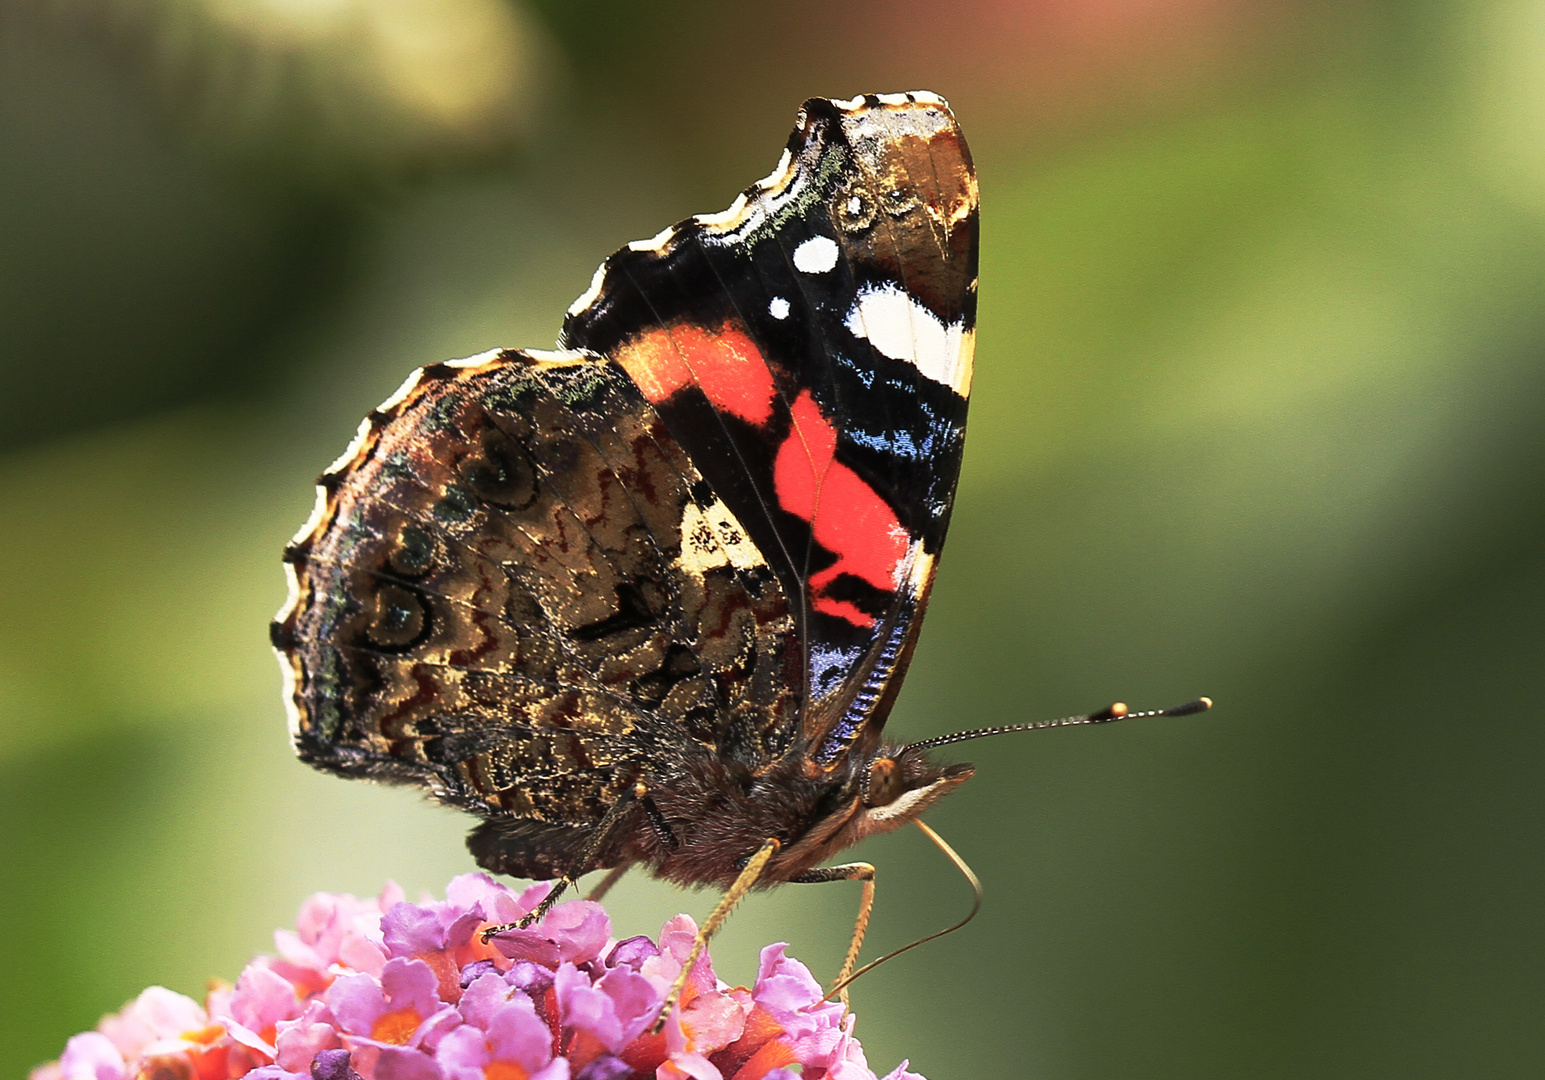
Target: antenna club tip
(1190,708)
(1205,703)
(1117,710)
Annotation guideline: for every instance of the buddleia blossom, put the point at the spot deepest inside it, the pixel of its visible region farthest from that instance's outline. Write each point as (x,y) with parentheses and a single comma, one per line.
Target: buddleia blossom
(388,990)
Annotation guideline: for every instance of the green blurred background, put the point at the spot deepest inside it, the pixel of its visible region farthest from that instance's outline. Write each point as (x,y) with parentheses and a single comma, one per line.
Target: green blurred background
(1258,414)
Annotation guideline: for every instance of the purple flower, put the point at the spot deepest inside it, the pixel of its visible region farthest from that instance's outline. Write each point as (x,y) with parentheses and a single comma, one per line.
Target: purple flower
(515,1042)
(388,990)
(299,1041)
(399,1010)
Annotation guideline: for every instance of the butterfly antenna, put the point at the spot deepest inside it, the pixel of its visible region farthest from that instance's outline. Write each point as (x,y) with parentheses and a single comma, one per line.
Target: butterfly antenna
(1117,711)
(976,905)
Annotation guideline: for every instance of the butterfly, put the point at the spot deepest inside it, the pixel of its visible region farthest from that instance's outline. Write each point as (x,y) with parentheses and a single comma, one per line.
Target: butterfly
(648,599)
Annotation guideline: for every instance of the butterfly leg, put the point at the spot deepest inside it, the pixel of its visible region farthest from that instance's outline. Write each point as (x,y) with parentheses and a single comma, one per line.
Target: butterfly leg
(598,837)
(858,871)
(662,830)
(732,896)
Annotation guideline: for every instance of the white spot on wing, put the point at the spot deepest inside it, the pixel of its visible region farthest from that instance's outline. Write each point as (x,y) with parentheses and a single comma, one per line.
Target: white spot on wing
(778,308)
(558,357)
(903,329)
(750,210)
(724,217)
(912,569)
(780,171)
(816,255)
(292,595)
(286,665)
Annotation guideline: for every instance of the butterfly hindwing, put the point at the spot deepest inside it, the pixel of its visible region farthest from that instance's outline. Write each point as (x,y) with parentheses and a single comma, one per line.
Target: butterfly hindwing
(517,590)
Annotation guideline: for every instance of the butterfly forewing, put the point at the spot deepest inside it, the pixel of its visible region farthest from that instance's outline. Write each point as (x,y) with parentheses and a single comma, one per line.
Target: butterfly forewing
(810,348)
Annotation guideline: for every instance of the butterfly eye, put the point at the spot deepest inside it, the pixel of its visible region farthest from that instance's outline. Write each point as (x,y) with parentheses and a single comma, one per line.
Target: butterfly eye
(884,782)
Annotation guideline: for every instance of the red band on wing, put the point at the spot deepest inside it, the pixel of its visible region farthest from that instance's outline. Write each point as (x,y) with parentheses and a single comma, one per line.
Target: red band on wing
(724,363)
(846,516)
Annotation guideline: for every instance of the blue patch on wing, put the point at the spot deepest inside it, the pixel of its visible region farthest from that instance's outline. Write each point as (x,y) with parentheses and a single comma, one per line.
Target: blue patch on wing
(897,443)
(859,710)
(829,669)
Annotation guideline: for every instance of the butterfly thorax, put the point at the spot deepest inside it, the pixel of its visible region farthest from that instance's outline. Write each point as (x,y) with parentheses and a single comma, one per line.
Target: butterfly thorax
(717,818)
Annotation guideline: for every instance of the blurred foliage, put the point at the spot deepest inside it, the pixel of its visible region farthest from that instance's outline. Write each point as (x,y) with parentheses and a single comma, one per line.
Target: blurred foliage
(1257,414)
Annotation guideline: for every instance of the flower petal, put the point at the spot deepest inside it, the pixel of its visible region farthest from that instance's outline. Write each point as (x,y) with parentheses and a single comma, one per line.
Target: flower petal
(91,1056)
(262,998)
(401,1063)
(300,1041)
(411,984)
(515,1034)
(631,952)
(683,1064)
(357,1002)
(580,928)
(408,930)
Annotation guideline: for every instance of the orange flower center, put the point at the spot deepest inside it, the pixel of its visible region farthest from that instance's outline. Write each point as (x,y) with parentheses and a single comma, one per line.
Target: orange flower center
(204,1035)
(504,1070)
(396,1027)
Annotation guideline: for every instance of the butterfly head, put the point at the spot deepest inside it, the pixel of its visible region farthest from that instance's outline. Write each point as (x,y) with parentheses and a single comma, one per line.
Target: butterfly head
(887,789)
(897,785)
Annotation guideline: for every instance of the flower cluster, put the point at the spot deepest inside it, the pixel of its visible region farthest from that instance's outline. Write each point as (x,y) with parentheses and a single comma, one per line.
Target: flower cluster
(388,990)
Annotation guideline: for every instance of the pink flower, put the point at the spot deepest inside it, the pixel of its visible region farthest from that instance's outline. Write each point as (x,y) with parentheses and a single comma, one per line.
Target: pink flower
(251,1012)
(399,1009)
(387,990)
(91,1056)
(514,1042)
(300,1040)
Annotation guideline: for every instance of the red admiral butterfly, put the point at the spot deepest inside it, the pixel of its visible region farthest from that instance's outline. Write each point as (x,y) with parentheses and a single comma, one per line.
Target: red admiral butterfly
(648,600)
